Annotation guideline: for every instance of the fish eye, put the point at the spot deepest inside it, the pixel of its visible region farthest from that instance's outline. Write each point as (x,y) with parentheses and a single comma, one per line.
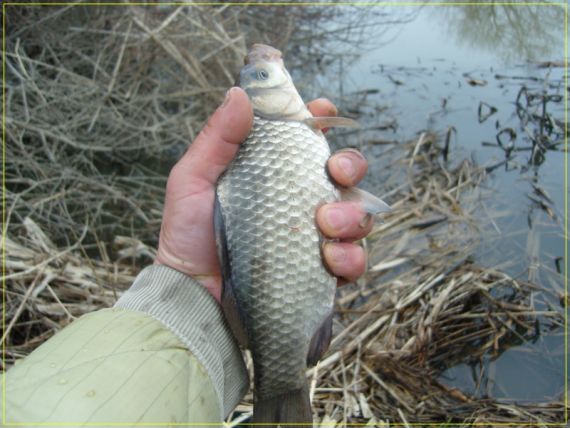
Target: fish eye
(262,75)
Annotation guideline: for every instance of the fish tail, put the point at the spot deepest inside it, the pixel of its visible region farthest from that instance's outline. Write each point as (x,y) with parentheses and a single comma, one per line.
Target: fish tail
(292,408)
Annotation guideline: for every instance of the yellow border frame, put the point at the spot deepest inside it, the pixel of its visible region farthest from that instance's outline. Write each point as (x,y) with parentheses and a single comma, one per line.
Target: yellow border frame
(564,5)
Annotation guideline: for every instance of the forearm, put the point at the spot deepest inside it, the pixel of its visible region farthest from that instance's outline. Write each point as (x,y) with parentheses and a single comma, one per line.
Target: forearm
(191,313)
(163,354)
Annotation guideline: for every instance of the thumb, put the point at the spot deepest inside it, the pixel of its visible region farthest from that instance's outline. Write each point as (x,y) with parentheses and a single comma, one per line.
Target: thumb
(216,145)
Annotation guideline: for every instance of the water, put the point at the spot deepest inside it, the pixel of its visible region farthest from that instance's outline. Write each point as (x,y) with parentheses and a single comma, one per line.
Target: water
(433,73)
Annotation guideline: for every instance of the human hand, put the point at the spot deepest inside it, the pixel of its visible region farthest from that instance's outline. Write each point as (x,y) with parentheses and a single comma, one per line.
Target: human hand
(187,239)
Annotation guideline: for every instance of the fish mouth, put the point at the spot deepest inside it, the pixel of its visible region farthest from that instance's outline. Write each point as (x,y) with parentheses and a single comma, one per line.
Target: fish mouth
(259,52)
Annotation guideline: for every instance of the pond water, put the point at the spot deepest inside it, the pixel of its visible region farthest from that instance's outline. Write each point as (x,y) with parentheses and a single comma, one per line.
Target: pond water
(464,68)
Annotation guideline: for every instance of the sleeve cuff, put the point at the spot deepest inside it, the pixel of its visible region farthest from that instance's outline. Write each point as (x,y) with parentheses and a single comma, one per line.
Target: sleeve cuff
(191,313)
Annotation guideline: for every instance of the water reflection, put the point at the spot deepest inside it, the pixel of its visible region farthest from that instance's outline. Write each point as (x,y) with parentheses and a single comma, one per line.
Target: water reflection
(514,32)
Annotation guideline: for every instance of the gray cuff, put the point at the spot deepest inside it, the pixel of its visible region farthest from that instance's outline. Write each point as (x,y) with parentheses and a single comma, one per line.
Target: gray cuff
(192,314)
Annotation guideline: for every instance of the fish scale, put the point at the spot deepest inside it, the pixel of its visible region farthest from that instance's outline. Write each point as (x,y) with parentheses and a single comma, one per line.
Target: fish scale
(268,198)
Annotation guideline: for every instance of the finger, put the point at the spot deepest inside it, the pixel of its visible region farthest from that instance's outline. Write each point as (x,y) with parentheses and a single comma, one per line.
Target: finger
(322,107)
(344,260)
(344,220)
(216,145)
(347,167)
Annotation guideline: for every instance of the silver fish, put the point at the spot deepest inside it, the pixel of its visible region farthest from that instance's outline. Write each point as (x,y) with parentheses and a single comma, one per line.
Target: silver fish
(278,296)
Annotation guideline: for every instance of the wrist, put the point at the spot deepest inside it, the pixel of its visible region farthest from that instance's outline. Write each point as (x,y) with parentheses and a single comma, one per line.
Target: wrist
(212,282)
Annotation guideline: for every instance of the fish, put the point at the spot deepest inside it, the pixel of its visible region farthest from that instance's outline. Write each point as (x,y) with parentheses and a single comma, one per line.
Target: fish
(278,296)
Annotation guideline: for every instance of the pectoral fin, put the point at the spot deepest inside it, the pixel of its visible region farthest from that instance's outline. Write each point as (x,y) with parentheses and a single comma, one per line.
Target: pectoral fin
(330,122)
(370,203)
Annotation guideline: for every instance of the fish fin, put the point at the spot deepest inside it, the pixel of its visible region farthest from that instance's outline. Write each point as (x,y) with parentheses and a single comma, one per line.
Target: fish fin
(370,203)
(291,409)
(229,303)
(320,341)
(330,122)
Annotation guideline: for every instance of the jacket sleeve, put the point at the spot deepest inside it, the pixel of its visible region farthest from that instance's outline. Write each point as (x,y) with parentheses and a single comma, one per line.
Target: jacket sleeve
(163,354)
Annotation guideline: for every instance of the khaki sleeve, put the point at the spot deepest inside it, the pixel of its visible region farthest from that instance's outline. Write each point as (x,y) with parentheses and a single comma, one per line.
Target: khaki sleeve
(137,363)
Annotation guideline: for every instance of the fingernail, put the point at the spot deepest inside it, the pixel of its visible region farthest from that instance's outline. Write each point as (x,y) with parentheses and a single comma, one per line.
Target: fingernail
(228,96)
(353,151)
(347,166)
(335,218)
(365,221)
(335,253)
(333,111)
